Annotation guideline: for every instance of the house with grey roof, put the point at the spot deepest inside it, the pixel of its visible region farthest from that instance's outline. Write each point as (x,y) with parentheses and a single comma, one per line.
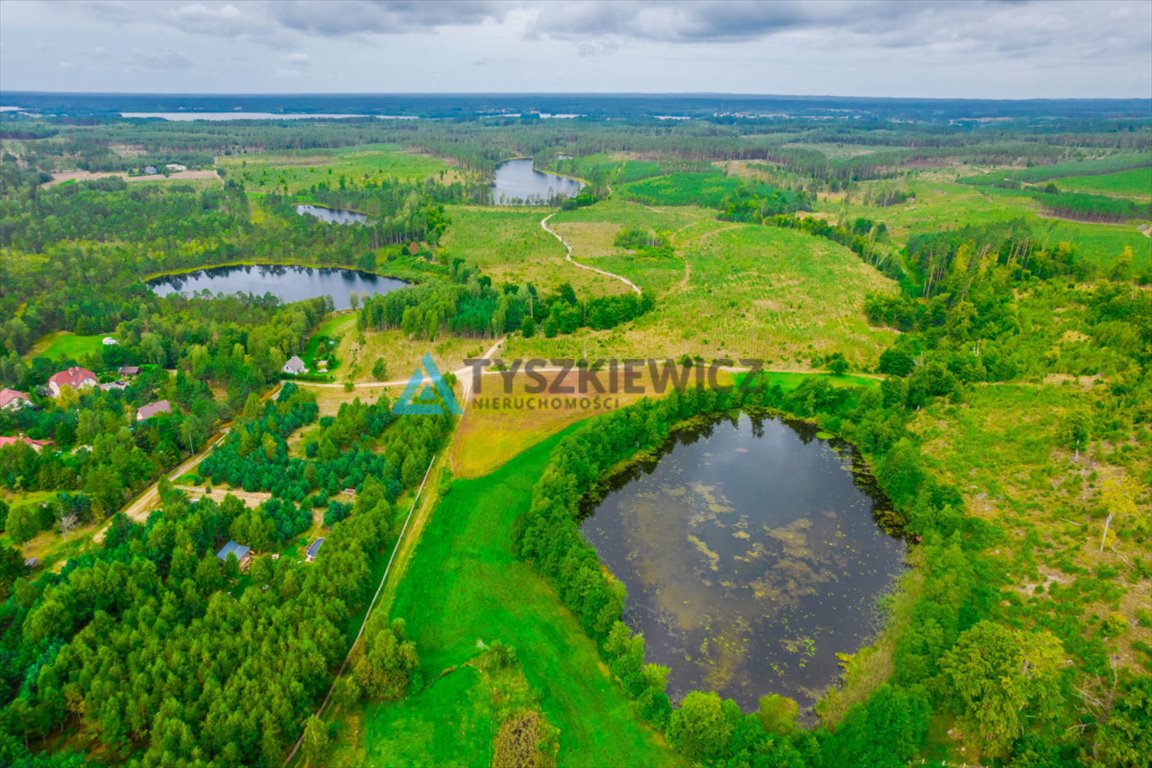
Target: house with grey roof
(150,410)
(242,553)
(295,366)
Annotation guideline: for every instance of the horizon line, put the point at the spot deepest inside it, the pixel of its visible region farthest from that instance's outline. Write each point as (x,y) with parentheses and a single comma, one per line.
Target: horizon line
(599,94)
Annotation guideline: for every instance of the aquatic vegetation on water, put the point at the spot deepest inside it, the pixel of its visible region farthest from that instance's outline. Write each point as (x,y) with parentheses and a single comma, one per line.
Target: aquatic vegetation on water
(749,564)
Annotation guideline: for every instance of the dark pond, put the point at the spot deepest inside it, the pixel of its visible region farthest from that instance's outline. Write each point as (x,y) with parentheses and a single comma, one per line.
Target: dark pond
(287,283)
(518,183)
(332,215)
(751,556)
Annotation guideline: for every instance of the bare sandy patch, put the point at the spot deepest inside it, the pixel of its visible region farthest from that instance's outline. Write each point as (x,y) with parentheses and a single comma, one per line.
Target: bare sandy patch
(250,498)
(66,176)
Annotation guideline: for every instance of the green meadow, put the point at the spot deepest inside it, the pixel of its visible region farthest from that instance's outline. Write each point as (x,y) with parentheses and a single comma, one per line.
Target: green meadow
(1132,183)
(270,171)
(465,589)
(708,189)
(64,345)
(734,290)
(940,204)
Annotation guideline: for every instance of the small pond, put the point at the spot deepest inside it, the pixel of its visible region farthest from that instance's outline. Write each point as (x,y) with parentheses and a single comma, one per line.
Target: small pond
(287,283)
(518,183)
(752,556)
(332,215)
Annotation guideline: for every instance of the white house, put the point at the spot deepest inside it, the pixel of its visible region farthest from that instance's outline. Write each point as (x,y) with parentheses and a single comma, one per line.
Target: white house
(294,366)
(76,378)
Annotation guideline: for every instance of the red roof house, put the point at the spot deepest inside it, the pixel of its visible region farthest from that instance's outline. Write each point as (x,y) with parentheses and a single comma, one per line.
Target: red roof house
(77,378)
(36,445)
(11,399)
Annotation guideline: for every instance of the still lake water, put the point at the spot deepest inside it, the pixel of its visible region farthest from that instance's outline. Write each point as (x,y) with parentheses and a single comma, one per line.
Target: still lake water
(187,117)
(287,283)
(332,215)
(751,557)
(518,183)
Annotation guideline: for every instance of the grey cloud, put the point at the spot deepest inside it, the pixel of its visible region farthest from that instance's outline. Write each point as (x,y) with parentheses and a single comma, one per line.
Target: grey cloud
(219,20)
(606,25)
(159,58)
(994,25)
(701,21)
(285,23)
(383,17)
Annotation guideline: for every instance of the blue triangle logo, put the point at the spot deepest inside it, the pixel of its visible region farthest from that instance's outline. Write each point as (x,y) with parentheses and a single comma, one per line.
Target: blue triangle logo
(434,399)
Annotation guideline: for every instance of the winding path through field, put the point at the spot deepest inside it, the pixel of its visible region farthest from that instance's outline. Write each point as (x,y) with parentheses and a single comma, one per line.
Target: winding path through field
(568,246)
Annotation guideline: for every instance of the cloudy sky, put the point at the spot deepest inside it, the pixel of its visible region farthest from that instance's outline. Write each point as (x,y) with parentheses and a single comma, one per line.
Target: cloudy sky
(978,49)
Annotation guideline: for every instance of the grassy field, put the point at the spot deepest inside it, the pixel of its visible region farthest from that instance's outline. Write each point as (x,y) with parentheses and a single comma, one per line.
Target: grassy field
(1019,473)
(709,189)
(49,546)
(1135,183)
(737,290)
(616,167)
(449,723)
(65,345)
(297,171)
(465,588)
(488,437)
(329,398)
(358,352)
(616,214)
(943,204)
(508,245)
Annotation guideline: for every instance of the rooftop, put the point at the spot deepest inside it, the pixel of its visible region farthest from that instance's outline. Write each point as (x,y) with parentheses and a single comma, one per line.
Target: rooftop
(73,377)
(239,550)
(8,395)
(150,410)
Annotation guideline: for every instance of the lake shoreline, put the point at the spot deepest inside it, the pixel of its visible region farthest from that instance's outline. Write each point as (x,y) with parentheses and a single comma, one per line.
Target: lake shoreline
(518,183)
(746,604)
(245,263)
(289,283)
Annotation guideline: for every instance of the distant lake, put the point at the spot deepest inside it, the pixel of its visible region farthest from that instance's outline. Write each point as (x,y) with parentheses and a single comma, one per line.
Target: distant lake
(752,556)
(332,215)
(518,183)
(185,117)
(286,283)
